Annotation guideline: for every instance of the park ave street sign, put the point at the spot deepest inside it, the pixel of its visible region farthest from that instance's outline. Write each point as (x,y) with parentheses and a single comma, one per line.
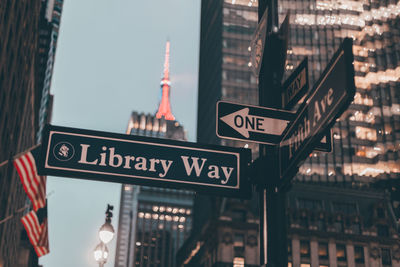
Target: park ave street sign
(129,159)
(293,89)
(295,86)
(251,123)
(330,97)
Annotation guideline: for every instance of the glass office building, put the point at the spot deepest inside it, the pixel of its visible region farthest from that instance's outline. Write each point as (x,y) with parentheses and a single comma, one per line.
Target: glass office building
(350,214)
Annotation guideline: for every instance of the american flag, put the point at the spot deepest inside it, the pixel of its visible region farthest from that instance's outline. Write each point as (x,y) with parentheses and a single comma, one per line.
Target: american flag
(34,184)
(36,227)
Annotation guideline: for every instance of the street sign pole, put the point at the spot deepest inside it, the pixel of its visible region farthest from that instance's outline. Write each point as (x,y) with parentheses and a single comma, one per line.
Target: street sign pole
(273,243)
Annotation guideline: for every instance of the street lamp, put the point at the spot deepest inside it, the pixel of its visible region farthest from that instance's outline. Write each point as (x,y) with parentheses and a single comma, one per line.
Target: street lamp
(106,234)
(101,254)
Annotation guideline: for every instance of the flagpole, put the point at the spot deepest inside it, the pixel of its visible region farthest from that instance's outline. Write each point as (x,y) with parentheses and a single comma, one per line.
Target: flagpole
(15,212)
(24,152)
(4,163)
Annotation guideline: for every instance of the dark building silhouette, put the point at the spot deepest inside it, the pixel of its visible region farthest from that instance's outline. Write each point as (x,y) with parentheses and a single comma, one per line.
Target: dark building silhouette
(334,203)
(26,53)
(153,222)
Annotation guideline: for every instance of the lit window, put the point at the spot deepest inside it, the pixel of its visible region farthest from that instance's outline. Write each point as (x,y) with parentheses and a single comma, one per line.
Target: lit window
(323,250)
(304,248)
(365,133)
(341,252)
(238,262)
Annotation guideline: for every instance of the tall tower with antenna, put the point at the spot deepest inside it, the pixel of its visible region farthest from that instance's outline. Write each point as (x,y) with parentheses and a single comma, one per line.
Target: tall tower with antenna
(164,108)
(153,222)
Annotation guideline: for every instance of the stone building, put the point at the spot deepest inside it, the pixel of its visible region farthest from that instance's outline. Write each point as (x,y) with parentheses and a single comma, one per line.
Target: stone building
(24,54)
(154,222)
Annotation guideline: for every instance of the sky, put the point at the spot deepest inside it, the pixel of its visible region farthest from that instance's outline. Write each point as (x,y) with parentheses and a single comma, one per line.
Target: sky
(109,62)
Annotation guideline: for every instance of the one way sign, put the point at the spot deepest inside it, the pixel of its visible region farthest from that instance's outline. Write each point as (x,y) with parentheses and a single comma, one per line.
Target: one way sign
(251,123)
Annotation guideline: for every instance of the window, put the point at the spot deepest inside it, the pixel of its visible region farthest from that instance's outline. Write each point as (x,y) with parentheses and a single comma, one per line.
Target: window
(381,213)
(323,251)
(343,207)
(382,230)
(238,245)
(238,240)
(311,204)
(304,248)
(359,254)
(341,252)
(238,215)
(238,262)
(386,257)
(365,133)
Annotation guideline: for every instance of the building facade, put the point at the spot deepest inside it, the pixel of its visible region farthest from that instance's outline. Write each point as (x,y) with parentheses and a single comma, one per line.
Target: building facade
(23,46)
(153,222)
(366,139)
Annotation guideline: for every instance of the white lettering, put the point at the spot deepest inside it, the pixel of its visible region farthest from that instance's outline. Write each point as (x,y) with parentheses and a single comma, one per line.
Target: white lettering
(152,164)
(227,174)
(214,172)
(83,159)
(195,164)
(114,156)
(165,166)
(128,160)
(142,164)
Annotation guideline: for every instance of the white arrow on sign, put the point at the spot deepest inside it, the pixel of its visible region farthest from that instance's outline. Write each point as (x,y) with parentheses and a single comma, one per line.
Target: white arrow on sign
(244,123)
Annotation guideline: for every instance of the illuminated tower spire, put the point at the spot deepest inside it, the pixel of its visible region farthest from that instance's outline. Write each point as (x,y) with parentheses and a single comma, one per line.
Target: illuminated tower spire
(164,109)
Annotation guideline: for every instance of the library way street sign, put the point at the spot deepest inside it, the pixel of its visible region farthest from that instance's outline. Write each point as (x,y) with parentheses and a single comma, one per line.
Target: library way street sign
(129,159)
(330,97)
(251,123)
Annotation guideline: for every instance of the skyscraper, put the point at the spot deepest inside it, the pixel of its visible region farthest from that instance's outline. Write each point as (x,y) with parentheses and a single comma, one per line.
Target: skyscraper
(153,222)
(25,37)
(364,163)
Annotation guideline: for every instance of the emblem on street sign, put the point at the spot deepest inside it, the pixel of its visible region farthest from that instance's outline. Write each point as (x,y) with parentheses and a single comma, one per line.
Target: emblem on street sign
(330,97)
(251,123)
(129,159)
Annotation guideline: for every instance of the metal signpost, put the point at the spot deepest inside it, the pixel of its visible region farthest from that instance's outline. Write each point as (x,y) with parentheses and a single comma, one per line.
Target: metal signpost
(129,159)
(252,123)
(310,129)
